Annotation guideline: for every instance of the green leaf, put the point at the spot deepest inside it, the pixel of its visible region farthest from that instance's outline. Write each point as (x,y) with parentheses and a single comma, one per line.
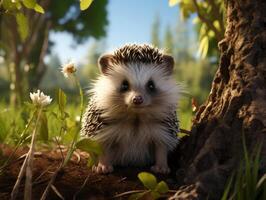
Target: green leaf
(196,20)
(54,114)
(136,196)
(211,34)
(227,189)
(247,168)
(29,3)
(29,105)
(216,24)
(38,8)
(181,135)
(173,2)
(84,4)
(44,127)
(256,163)
(9,5)
(155,195)
(148,180)
(255,169)
(89,146)
(3,129)
(184,13)
(18,5)
(23,27)
(66,115)
(62,99)
(204,46)
(92,160)
(162,187)
(203,31)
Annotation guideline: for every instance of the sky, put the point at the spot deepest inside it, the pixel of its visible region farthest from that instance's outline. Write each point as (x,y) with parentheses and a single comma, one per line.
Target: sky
(129,21)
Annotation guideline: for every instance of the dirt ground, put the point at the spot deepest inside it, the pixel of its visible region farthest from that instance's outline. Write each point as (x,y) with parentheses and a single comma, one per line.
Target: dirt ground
(70,180)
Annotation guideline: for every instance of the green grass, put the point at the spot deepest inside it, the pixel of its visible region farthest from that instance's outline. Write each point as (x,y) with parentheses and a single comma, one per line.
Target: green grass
(245,183)
(185,118)
(14,120)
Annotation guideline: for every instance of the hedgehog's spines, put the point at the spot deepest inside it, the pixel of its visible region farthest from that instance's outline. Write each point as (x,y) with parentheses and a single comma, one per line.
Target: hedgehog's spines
(133,53)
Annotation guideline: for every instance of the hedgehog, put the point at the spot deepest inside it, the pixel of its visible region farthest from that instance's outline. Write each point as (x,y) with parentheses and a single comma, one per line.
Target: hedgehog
(132,109)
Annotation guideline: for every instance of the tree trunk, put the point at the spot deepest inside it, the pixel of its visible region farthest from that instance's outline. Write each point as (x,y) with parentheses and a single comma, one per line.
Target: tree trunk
(236,105)
(14,62)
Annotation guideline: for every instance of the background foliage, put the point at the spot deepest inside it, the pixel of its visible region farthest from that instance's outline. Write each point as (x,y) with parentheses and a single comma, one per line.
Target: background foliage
(23,68)
(25,26)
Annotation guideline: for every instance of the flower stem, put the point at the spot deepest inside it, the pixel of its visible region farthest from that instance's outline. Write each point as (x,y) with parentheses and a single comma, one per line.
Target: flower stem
(72,146)
(81,97)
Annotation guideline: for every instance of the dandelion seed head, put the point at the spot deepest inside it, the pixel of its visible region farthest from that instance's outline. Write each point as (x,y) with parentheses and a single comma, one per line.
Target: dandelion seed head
(68,69)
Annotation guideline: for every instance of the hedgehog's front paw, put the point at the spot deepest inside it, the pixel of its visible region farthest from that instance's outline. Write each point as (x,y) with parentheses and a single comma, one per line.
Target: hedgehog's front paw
(102,168)
(161,169)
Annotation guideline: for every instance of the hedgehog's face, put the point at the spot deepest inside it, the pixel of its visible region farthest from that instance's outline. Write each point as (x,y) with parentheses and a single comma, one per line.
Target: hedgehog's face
(136,87)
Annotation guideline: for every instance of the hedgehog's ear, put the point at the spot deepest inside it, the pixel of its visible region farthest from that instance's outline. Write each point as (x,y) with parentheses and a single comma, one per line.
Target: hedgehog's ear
(105,63)
(169,63)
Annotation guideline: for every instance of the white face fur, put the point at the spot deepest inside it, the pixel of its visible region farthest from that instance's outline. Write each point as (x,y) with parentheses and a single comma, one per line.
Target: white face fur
(116,90)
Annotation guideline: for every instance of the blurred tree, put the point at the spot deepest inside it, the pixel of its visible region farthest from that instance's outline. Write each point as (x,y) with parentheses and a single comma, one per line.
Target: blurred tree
(155,32)
(183,42)
(30,51)
(194,74)
(90,71)
(53,75)
(169,40)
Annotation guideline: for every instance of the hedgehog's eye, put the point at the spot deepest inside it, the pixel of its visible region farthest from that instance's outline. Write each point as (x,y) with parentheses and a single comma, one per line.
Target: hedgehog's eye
(124,86)
(151,86)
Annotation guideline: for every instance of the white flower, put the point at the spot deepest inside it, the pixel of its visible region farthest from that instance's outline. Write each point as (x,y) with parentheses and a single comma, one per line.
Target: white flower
(40,99)
(68,69)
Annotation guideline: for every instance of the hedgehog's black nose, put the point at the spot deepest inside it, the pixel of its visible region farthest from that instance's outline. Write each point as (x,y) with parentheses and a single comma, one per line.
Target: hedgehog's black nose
(137,100)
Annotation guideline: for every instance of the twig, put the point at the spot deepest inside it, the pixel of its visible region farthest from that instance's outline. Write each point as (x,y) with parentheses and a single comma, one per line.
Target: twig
(15,189)
(184,131)
(24,155)
(122,179)
(57,192)
(47,189)
(59,146)
(128,192)
(46,170)
(29,162)
(83,185)
(50,184)
(138,191)
(18,144)
(216,12)
(172,191)
(20,176)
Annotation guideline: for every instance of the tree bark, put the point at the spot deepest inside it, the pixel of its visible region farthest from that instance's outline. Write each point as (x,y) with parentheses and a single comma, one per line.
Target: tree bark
(236,106)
